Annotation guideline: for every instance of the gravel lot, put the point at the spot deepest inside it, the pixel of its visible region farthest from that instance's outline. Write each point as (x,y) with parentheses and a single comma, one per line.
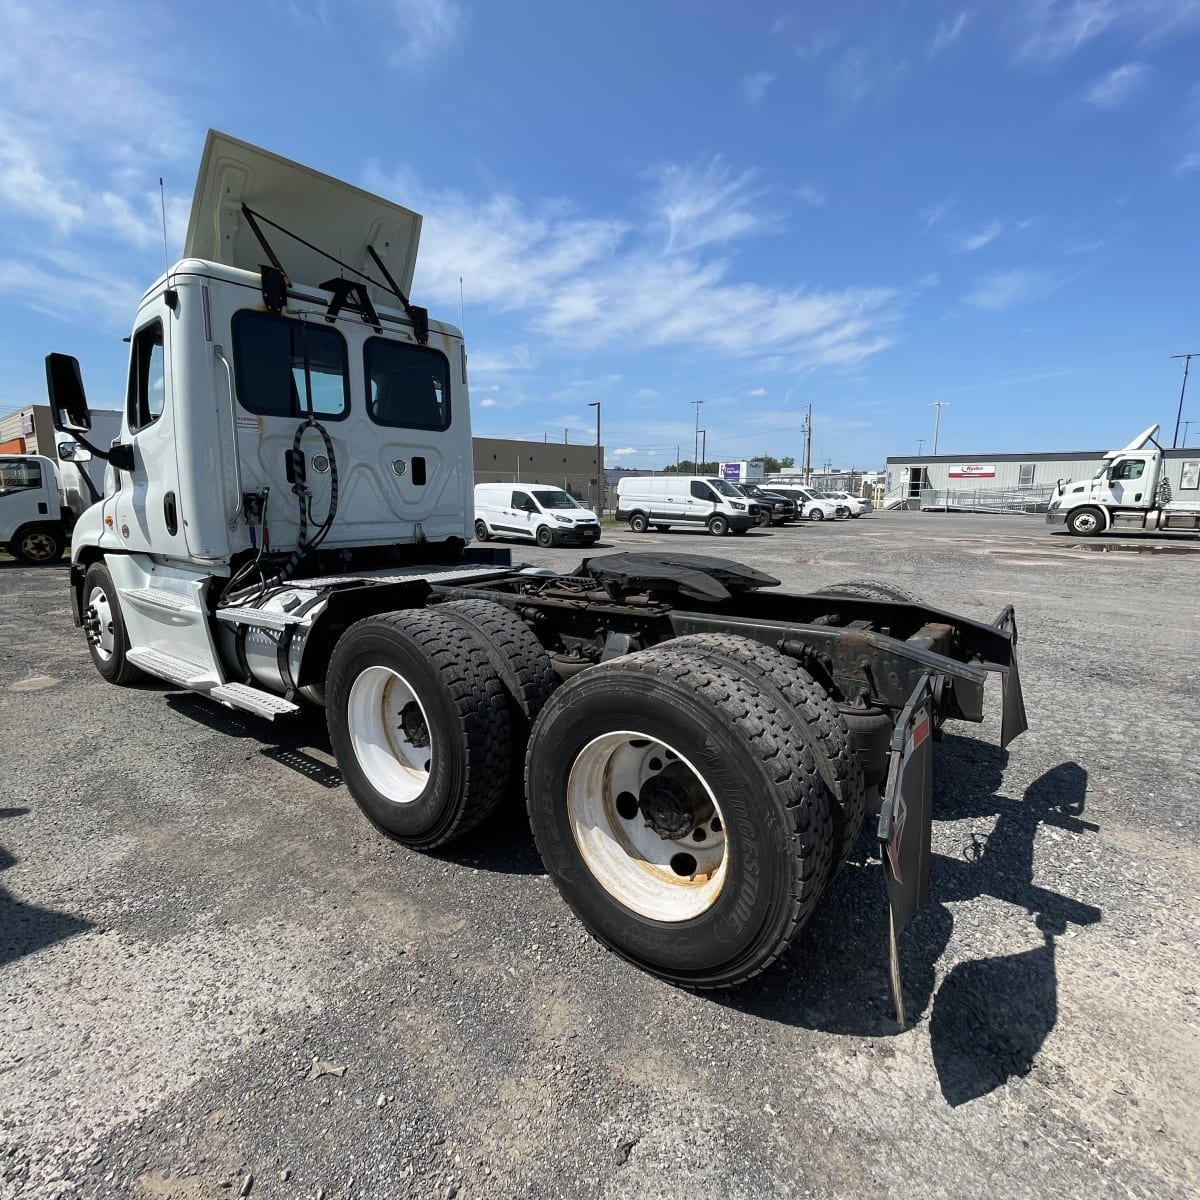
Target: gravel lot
(217,980)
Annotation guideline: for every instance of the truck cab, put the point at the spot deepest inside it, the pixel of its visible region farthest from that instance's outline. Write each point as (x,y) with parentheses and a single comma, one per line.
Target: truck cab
(1131,491)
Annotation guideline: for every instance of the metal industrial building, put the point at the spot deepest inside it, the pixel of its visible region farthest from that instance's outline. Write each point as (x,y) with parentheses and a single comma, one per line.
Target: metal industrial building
(572,468)
(1011,480)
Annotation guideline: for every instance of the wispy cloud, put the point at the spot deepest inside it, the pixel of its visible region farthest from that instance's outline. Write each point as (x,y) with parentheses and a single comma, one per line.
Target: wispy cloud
(811,194)
(947,33)
(581,282)
(424,29)
(489,402)
(754,87)
(699,205)
(1117,86)
(863,72)
(1050,30)
(966,243)
(1188,163)
(623,452)
(758,391)
(814,45)
(1005,289)
(934,214)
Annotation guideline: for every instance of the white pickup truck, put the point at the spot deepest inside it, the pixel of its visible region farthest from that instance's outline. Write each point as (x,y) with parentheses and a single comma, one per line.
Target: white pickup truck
(1136,489)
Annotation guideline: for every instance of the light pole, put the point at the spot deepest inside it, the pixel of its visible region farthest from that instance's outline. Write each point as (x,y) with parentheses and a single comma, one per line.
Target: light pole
(920,446)
(703,450)
(939,405)
(1186,425)
(696,442)
(1187,362)
(599,463)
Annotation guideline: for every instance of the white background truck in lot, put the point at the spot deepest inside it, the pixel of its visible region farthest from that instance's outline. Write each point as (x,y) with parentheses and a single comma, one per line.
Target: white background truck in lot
(533,512)
(286,518)
(743,471)
(1135,489)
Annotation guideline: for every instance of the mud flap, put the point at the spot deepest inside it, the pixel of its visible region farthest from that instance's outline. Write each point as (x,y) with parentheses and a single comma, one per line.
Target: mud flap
(1013,721)
(906,823)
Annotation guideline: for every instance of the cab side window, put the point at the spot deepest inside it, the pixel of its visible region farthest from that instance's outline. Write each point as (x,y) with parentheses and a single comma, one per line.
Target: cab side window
(1129,468)
(701,491)
(19,475)
(521,501)
(147,377)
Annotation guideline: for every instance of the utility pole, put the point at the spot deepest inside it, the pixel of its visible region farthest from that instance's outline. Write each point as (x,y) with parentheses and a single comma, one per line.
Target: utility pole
(703,450)
(1187,362)
(564,435)
(808,446)
(920,446)
(696,440)
(1186,426)
(599,463)
(939,405)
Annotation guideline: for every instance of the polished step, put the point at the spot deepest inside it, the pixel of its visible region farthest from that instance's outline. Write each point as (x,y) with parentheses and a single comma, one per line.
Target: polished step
(174,670)
(263,704)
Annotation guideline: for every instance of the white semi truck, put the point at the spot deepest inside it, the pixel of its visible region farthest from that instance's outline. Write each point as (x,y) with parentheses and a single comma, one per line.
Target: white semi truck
(287,519)
(1135,489)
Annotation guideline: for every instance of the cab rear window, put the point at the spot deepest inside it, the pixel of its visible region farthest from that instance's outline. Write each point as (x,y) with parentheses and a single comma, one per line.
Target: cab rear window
(280,363)
(408,387)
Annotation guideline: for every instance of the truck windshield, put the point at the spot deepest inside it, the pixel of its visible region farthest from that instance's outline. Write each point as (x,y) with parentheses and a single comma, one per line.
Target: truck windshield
(726,489)
(555,498)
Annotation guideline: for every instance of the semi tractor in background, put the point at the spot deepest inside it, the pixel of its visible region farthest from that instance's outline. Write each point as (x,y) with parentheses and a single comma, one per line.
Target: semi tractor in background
(286,519)
(1135,489)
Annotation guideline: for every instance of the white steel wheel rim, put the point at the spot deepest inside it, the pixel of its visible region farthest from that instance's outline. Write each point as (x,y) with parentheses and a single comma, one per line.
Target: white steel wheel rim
(1085,522)
(105,641)
(667,879)
(381,723)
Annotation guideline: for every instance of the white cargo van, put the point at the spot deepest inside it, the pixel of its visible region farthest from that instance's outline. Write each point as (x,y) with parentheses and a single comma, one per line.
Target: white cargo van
(533,512)
(697,500)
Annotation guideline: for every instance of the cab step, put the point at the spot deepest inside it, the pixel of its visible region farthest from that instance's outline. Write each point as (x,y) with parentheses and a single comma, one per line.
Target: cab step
(258,618)
(174,670)
(263,704)
(162,598)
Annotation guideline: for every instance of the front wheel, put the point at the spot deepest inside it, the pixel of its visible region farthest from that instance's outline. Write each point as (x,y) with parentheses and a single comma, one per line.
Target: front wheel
(104,627)
(545,537)
(1085,522)
(763,518)
(481,531)
(638,523)
(38,544)
(420,724)
(816,515)
(718,526)
(679,816)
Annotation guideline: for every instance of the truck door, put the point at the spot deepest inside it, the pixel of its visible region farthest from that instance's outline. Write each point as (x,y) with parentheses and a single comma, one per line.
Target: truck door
(523,514)
(146,511)
(1128,482)
(26,496)
(701,502)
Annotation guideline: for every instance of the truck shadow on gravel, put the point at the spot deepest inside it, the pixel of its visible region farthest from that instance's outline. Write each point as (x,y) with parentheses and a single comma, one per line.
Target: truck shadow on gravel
(24,928)
(990,1016)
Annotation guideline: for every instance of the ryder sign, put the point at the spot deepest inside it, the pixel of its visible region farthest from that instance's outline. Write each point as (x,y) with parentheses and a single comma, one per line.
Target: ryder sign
(973,471)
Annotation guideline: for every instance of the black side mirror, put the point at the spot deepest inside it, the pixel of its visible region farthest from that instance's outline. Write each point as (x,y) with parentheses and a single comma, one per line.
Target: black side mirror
(68,405)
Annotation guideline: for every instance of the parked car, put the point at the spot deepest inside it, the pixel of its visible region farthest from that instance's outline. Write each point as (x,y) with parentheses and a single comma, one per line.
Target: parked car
(810,503)
(533,512)
(696,500)
(857,504)
(773,509)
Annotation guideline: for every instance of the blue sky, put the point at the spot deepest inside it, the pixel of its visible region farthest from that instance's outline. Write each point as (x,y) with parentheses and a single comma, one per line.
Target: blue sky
(865,206)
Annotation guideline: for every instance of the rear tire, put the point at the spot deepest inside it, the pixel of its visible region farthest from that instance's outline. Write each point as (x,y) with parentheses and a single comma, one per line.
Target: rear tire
(638,523)
(37,545)
(481,531)
(870,589)
(104,626)
(707,873)
(519,659)
(419,721)
(817,721)
(718,526)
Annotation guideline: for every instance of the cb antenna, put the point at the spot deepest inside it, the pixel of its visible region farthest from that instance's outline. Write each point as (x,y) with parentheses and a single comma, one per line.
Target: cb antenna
(162,197)
(462,320)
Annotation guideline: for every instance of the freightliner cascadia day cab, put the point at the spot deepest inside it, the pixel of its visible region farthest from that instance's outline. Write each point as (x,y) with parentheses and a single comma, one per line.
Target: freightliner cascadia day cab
(287,514)
(1136,489)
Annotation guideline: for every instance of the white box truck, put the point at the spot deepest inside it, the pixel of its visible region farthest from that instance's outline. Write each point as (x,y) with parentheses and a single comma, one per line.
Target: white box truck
(743,471)
(1134,490)
(289,518)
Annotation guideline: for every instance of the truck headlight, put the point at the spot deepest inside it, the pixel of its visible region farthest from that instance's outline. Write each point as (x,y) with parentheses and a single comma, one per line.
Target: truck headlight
(563,520)
(735,504)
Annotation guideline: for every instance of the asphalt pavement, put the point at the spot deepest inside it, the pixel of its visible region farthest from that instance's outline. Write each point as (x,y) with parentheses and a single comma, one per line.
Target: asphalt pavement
(216,979)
